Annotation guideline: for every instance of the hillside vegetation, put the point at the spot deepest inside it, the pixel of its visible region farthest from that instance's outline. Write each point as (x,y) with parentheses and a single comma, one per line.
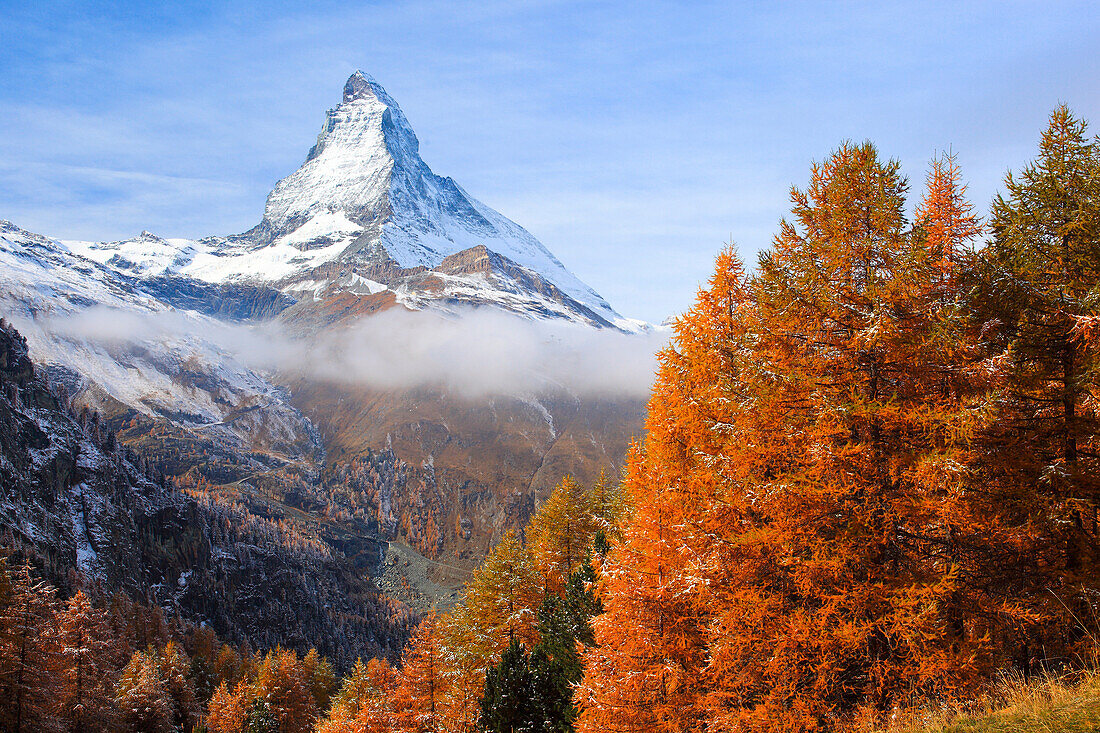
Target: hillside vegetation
(871,471)
(1018,706)
(867,499)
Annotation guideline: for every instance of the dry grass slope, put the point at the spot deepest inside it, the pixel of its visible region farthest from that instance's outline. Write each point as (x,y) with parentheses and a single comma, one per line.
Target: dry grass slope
(1045,705)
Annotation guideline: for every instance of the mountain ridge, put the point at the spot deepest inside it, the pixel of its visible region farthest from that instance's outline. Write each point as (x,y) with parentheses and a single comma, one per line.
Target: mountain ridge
(364,198)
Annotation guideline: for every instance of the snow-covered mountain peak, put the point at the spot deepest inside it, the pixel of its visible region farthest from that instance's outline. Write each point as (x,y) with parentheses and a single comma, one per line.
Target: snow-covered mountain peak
(347,171)
(364,190)
(364,204)
(146,255)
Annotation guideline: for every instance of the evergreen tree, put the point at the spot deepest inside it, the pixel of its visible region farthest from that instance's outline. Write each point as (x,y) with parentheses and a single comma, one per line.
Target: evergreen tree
(564,627)
(262,718)
(512,702)
(1045,294)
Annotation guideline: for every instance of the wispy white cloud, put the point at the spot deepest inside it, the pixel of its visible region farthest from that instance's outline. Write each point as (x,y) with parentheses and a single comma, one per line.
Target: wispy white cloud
(479,353)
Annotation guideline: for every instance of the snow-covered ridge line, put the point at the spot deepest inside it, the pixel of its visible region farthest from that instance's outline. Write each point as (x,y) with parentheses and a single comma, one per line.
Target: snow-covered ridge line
(362,195)
(146,342)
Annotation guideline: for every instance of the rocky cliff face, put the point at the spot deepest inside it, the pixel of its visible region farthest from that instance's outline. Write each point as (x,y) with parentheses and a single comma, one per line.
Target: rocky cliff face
(69,490)
(75,500)
(339,293)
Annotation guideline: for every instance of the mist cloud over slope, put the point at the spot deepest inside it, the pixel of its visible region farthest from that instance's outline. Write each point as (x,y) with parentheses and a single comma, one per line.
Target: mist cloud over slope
(476,352)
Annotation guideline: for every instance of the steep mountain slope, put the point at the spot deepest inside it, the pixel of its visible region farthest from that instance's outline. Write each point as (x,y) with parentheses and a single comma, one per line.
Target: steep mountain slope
(134,349)
(74,499)
(490,461)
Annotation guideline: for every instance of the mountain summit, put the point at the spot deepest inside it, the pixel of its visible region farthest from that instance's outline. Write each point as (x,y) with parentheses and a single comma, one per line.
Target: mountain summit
(365,199)
(345,184)
(364,225)
(359,84)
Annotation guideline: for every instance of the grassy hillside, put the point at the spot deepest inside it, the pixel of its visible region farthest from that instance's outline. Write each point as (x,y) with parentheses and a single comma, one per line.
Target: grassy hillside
(1038,706)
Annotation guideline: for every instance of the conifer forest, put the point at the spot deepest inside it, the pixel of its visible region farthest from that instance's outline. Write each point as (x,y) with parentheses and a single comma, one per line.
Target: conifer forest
(867,483)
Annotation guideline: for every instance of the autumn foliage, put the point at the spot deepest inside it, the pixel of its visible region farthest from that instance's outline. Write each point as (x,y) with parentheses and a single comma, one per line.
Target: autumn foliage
(116,665)
(527,595)
(865,478)
(869,480)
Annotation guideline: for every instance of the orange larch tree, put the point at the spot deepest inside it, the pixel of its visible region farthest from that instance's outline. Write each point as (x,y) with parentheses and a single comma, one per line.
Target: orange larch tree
(227,711)
(420,699)
(89,651)
(281,682)
(947,221)
(561,533)
(501,602)
(28,651)
(175,671)
(857,476)
(144,704)
(647,671)
(801,550)
(365,702)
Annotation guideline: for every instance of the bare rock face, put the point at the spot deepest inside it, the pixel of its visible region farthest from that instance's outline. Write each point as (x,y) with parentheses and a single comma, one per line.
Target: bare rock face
(474,277)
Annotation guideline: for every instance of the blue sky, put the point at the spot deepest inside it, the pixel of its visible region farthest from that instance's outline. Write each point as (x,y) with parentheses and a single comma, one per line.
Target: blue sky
(632,138)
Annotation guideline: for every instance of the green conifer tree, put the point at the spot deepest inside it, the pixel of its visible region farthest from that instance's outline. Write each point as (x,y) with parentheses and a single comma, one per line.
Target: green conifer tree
(512,703)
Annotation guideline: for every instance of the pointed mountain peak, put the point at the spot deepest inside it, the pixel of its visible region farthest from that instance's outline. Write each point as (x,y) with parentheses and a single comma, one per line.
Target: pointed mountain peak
(364,187)
(359,86)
